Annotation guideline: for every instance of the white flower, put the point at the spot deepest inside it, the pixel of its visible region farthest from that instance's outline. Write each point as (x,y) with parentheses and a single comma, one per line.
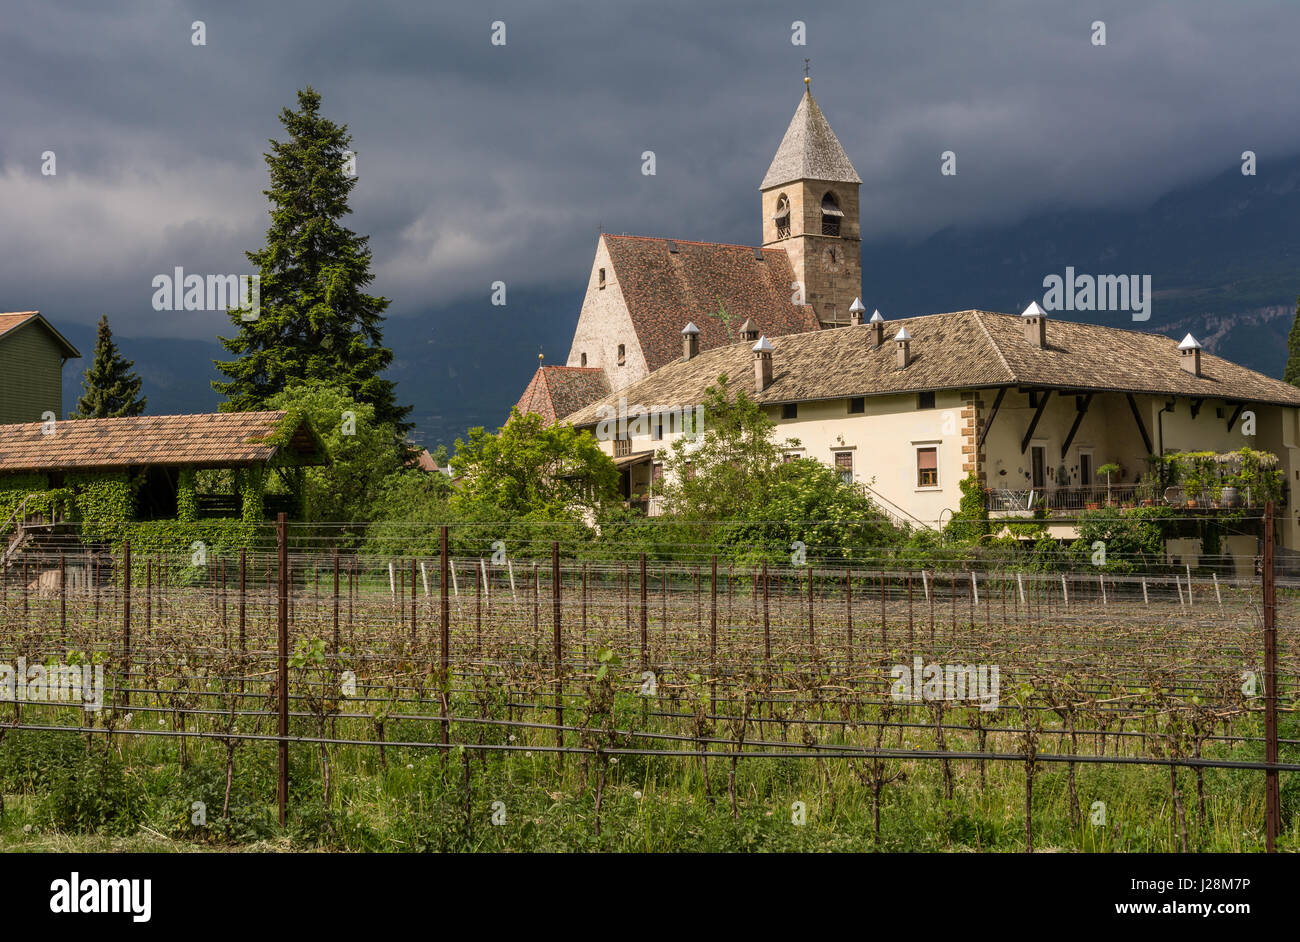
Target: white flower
(162,722)
(512,737)
(636,795)
(409,765)
(613,760)
(128,717)
(27,829)
(528,755)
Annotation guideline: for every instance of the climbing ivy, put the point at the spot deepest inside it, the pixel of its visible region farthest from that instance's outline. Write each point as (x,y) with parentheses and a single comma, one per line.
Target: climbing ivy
(187,498)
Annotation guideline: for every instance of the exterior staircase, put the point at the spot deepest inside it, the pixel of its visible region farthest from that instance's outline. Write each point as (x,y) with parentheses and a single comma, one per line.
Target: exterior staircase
(21,529)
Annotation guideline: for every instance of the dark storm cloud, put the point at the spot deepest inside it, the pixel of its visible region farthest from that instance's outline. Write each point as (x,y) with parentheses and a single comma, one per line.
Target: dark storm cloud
(480,163)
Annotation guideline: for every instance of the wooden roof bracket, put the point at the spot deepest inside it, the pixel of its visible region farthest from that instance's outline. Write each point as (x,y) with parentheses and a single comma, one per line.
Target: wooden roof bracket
(1137,417)
(1033,423)
(993,414)
(1081,404)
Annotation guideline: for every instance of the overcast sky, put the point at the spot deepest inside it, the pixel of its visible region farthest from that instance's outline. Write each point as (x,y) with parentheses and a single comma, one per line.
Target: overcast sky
(480,163)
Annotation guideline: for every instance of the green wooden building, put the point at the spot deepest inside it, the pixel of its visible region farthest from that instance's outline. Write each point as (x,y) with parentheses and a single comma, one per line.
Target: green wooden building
(32,354)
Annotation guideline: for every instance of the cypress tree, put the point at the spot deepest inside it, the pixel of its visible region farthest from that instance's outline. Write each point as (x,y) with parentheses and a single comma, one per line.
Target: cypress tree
(1292,374)
(316,323)
(110,389)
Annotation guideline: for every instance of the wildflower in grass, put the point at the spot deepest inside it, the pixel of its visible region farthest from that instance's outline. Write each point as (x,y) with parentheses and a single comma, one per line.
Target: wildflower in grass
(636,795)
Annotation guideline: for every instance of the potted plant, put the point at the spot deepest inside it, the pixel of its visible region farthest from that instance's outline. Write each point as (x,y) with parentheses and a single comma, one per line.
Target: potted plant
(1106,471)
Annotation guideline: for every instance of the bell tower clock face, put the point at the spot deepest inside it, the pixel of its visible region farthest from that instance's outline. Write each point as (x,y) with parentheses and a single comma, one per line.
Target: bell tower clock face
(833,259)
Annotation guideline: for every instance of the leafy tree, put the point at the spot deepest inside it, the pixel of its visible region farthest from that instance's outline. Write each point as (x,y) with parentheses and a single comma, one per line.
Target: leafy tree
(316,323)
(1134,538)
(732,482)
(408,513)
(363,453)
(1292,374)
(532,473)
(110,389)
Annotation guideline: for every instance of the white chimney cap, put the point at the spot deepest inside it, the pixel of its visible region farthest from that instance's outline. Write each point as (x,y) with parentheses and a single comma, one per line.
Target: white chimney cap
(690,328)
(762,346)
(1034,310)
(1189,343)
(876,318)
(857,307)
(902,335)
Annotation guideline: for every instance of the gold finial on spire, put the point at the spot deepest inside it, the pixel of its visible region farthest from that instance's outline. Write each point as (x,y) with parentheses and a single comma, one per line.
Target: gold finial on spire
(807,79)
(539,356)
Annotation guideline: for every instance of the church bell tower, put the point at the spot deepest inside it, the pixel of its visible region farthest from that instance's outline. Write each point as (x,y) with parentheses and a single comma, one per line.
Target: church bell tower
(810,208)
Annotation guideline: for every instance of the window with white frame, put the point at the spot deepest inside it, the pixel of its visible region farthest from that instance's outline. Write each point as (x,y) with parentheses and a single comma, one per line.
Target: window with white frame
(844,465)
(927,466)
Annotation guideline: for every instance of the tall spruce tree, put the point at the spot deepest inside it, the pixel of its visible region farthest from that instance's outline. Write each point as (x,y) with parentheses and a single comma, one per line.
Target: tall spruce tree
(110,389)
(1292,374)
(315,322)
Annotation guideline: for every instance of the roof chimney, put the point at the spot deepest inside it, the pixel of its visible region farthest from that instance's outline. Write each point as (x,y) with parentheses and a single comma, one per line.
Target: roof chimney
(748,331)
(878,325)
(762,364)
(1035,319)
(856,310)
(1189,355)
(904,341)
(690,340)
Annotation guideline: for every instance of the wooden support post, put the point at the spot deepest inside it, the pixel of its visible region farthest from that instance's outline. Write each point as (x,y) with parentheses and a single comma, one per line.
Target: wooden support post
(445,621)
(282,666)
(558,652)
(1272,794)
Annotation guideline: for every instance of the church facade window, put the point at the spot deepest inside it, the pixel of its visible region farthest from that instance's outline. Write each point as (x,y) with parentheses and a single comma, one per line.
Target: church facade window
(584,359)
(600,279)
(831,215)
(782,217)
(622,355)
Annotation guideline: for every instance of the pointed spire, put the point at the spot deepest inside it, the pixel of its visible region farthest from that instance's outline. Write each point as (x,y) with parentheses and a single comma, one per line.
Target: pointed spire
(876,318)
(1189,343)
(763,346)
(1034,310)
(810,150)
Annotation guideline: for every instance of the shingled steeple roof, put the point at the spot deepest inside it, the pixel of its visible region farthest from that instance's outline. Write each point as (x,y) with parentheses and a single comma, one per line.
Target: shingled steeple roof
(810,150)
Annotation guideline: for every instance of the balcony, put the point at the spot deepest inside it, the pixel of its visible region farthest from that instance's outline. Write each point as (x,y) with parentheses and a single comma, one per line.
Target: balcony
(1067,501)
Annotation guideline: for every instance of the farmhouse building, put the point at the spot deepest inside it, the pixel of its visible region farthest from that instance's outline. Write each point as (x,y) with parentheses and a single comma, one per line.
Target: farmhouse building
(32,355)
(1034,408)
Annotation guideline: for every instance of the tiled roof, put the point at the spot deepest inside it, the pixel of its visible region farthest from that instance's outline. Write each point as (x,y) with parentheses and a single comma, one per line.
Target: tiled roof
(10,321)
(716,286)
(14,320)
(219,439)
(424,462)
(556,391)
(810,150)
(964,350)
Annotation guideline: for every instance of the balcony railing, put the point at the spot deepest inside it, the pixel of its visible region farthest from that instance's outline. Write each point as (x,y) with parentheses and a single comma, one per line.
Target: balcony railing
(650,506)
(1092,497)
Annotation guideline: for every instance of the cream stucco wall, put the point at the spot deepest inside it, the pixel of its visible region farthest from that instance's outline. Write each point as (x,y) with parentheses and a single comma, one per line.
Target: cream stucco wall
(883,440)
(603,324)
